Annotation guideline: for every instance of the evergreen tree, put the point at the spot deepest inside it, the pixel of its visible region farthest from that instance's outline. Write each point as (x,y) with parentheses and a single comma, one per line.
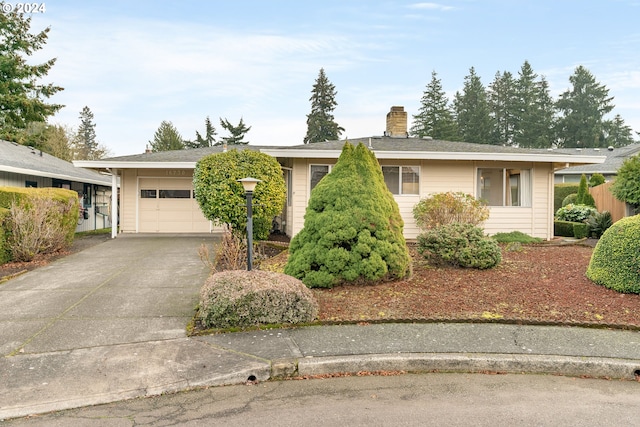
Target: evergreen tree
(434,117)
(472,111)
(534,111)
(21,95)
(57,141)
(617,133)
(321,125)
(582,110)
(209,139)
(236,133)
(352,227)
(166,138)
(84,142)
(501,100)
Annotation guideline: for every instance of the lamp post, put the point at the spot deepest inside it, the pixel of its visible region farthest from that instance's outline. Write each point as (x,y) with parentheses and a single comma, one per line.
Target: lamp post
(249,185)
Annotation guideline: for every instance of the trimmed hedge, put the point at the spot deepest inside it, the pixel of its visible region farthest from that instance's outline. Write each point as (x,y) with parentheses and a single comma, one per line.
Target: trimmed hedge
(615,262)
(238,298)
(564,228)
(561,191)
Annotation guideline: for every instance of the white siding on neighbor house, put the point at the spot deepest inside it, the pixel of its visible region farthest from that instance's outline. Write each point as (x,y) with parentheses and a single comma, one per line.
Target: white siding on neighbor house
(10,179)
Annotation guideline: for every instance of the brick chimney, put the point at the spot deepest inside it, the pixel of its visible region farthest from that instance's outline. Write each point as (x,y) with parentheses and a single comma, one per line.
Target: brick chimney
(397,123)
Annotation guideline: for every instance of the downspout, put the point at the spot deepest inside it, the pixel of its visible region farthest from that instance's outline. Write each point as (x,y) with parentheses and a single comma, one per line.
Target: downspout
(114,203)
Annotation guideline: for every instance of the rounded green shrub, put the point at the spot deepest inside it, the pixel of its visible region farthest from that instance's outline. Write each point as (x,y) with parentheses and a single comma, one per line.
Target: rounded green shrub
(615,262)
(222,198)
(352,227)
(461,245)
(239,298)
(570,199)
(575,213)
(596,179)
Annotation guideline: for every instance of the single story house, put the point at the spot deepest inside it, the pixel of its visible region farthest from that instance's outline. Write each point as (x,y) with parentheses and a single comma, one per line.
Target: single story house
(23,166)
(157,191)
(614,157)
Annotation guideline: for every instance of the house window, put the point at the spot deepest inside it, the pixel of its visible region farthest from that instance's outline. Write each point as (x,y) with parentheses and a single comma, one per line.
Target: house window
(504,187)
(175,194)
(148,194)
(59,183)
(86,195)
(318,172)
(31,184)
(402,179)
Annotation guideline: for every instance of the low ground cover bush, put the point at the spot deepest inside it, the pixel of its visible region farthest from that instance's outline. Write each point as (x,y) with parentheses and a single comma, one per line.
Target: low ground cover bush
(461,245)
(575,213)
(515,237)
(615,262)
(238,298)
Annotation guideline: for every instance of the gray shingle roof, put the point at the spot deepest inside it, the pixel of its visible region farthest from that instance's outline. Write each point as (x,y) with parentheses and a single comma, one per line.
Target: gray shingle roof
(187,155)
(18,158)
(614,160)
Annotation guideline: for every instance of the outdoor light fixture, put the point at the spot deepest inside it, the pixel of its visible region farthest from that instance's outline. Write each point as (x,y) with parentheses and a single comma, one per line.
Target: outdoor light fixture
(249,185)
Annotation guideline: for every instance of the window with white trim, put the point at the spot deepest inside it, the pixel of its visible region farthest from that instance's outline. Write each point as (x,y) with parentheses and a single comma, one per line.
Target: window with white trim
(504,187)
(316,173)
(402,179)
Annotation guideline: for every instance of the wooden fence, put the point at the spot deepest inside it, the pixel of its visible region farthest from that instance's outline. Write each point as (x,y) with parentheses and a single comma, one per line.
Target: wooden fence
(606,202)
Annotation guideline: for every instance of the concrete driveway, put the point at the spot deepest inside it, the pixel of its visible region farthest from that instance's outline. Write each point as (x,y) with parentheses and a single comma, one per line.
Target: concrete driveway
(134,288)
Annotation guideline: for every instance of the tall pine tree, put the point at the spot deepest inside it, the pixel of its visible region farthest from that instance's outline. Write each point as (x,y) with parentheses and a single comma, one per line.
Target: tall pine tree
(84,143)
(209,139)
(582,109)
(236,133)
(617,133)
(166,138)
(321,125)
(434,117)
(22,97)
(472,111)
(534,110)
(501,100)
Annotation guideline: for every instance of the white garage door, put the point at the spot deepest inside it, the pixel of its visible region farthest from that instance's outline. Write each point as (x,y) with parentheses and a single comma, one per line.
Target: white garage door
(166,205)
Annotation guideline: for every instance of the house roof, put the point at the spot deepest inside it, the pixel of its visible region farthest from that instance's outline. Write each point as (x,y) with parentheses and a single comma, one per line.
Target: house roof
(16,158)
(384,147)
(614,159)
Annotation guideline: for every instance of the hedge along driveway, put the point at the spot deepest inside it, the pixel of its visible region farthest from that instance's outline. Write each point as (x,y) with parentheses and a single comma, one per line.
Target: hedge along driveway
(134,288)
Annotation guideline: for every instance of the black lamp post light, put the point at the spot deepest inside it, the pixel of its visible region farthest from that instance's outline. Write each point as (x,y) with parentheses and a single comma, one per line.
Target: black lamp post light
(249,185)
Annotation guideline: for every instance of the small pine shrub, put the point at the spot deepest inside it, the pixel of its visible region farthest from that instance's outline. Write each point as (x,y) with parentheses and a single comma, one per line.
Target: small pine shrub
(584,197)
(447,208)
(461,245)
(575,213)
(241,298)
(570,199)
(598,223)
(596,179)
(615,262)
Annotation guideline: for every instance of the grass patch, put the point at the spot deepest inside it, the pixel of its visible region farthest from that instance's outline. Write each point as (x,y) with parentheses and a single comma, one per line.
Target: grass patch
(98,232)
(515,237)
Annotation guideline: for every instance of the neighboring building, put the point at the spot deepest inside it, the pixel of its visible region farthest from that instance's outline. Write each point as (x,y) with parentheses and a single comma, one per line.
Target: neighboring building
(22,166)
(609,168)
(157,190)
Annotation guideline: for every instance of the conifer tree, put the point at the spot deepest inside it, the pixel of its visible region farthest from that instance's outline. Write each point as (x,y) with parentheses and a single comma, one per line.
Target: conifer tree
(84,142)
(352,229)
(434,117)
(472,111)
(501,100)
(617,133)
(582,109)
(22,96)
(321,125)
(236,133)
(166,138)
(209,139)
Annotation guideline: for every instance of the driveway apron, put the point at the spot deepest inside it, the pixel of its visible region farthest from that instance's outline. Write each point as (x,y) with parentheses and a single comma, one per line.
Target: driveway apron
(135,288)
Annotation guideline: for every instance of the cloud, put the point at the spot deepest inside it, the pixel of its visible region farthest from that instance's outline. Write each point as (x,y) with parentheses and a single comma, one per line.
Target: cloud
(430,6)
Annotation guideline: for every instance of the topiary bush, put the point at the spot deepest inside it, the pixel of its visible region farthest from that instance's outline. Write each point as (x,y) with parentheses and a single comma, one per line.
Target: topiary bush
(563,228)
(615,261)
(580,230)
(352,227)
(222,198)
(575,213)
(560,191)
(596,179)
(447,208)
(461,245)
(570,199)
(238,298)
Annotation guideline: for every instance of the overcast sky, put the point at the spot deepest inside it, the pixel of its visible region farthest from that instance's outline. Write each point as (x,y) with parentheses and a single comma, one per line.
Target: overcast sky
(137,63)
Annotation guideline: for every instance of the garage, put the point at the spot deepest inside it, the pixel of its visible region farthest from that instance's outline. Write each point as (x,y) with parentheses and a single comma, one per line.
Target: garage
(167,205)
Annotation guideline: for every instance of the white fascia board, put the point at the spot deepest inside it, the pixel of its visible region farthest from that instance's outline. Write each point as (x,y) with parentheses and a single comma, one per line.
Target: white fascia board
(33,172)
(106,164)
(437,155)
